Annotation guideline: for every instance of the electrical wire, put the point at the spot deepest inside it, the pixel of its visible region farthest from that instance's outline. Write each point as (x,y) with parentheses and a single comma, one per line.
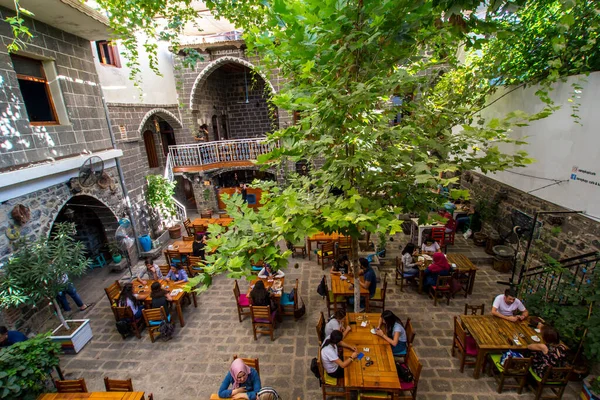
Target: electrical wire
(552,184)
(535,177)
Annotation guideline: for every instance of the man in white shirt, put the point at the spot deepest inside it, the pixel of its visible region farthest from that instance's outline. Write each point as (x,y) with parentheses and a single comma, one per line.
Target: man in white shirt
(506,304)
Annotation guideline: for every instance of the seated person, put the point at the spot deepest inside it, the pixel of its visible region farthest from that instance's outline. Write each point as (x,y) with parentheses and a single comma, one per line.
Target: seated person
(439,266)
(506,304)
(128,299)
(177,274)
(260,296)
(393,332)
(336,323)
(268,272)
(161,298)
(152,272)
(368,282)
(341,266)
(463,222)
(430,246)
(550,354)
(244,382)
(198,246)
(332,364)
(451,223)
(410,266)
(8,338)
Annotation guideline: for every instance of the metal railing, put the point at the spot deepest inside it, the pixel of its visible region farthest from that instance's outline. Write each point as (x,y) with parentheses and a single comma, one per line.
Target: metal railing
(180,211)
(575,272)
(223,151)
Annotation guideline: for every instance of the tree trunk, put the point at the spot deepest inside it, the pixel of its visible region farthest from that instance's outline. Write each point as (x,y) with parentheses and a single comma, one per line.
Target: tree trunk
(59,314)
(355,270)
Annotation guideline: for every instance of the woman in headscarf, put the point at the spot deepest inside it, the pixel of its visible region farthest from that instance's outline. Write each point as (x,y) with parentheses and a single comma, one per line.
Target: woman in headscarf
(439,266)
(244,382)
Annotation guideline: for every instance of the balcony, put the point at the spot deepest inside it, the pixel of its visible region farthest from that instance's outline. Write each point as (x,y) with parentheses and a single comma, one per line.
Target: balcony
(198,157)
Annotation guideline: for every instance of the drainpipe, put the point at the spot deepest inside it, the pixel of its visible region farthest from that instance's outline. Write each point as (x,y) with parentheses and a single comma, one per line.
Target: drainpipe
(121,177)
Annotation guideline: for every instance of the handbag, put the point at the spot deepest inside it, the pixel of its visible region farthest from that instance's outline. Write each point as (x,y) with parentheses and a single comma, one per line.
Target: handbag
(300,311)
(404,372)
(507,354)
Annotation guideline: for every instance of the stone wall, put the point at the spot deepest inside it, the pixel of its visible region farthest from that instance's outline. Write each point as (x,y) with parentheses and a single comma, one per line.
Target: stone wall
(575,235)
(86,129)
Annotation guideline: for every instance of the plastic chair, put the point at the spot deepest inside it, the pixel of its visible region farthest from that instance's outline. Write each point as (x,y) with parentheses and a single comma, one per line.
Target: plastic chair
(99,262)
(116,385)
(438,234)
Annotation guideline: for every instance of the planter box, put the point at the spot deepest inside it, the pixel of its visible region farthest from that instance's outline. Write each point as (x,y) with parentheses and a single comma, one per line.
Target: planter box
(74,342)
(586,391)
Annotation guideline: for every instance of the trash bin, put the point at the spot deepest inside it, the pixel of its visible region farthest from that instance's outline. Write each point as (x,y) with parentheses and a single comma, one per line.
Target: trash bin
(503,258)
(145,242)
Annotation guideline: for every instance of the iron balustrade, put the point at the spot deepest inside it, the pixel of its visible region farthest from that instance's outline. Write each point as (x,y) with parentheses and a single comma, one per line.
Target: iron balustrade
(223,151)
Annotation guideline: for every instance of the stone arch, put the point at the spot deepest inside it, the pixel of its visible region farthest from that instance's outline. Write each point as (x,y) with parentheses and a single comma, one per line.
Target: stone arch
(210,68)
(164,114)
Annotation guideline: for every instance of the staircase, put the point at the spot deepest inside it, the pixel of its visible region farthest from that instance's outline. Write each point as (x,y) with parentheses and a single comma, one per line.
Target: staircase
(180,211)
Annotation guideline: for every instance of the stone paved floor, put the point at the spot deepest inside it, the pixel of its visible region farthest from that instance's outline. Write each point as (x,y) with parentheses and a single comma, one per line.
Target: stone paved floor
(193,364)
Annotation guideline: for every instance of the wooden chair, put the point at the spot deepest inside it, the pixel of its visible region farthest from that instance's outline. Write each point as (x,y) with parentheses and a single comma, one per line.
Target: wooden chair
(188,227)
(262,317)
(153,318)
(329,382)
(116,385)
(326,254)
(412,362)
(112,292)
(402,276)
(206,214)
(224,216)
(72,386)
(150,396)
(442,287)
(464,344)
(251,362)
(288,303)
(298,248)
(474,310)
(174,257)
(517,368)
(555,379)
(464,278)
(188,238)
(437,234)
(199,229)
(241,300)
(378,299)
(125,314)
(321,328)
(341,301)
(164,269)
(344,245)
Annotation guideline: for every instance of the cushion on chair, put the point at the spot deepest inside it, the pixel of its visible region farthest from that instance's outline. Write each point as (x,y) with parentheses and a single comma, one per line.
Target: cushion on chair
(377,295)
(264,320)
(471,346)
(496,361)
(255,268)
(407,385)
(538,379)
(340,299)
(327,253)
(400,353)
(285,300)
(441,288)
(243,301)
(382,395)
(157,323)
(330,380)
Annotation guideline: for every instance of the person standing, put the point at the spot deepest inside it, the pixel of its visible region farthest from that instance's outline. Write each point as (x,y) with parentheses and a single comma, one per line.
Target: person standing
(71,291)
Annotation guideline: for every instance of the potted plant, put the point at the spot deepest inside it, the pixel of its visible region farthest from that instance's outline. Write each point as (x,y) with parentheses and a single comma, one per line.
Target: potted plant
(159,195)
(591,388)
(115,252)
(35,274)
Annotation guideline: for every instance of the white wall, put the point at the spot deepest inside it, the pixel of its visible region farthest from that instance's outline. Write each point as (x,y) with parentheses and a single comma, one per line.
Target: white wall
(154,89)
(558,144)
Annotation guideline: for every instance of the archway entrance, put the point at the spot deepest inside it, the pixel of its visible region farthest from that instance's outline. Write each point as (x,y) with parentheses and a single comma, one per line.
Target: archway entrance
(167,136)
(95,223)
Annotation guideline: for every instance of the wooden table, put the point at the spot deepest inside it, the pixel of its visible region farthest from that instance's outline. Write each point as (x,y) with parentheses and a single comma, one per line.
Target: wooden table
(93,395)
(494,335)
(382,375)
(321,237)
(340,287)
(147,299)
(208,221)
(463,264)
(268,285)
(183,247)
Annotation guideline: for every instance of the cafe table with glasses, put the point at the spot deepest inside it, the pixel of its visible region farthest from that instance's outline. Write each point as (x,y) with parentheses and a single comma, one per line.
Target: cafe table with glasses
(142,293)
(463,264)
(496,335)
(380,374)
(93,396)
(321,237)
(343,285)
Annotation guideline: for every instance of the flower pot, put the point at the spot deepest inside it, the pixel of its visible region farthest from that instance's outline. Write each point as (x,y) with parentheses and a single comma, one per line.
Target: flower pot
(117,258)
(492,240)
(587,392)
(72,343)
(175,232)
(480,239)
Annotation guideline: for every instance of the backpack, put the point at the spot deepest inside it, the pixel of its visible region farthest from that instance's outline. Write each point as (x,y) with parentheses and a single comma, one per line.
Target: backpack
(322,288)
(124,328)
(509,353)
(267,390)
(314,367)
(404,373)
(166,330)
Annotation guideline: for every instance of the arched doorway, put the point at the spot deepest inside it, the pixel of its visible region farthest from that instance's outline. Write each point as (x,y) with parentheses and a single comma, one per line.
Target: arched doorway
(167,136)
(95,223)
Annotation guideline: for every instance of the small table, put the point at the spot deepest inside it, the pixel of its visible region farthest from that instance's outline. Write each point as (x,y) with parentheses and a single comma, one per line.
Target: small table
(208,221)
(147,299)
(421,228)
(321,237)
(184,247)
(93,395)
(342,287)
(494,335)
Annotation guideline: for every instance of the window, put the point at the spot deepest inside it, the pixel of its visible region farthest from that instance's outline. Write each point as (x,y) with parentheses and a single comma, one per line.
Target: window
(35,90)
(108,53)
